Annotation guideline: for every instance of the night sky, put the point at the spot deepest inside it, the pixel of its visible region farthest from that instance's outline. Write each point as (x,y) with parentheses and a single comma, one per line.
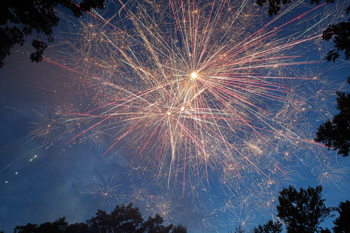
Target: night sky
(201,113)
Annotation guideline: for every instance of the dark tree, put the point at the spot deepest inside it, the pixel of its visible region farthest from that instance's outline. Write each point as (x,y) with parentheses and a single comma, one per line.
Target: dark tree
(342,222)
(302,211)
(123,219)
(340,33)
(100,223)
(127,219)
(21,18)
(275,5)
(179,229)
(29,228)
(58,226)
(155,225)
(269,227)
(77,228)
(239,229)
(335,133)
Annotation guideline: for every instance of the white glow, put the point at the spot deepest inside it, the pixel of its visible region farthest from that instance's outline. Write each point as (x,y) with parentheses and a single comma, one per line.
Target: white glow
(193,75)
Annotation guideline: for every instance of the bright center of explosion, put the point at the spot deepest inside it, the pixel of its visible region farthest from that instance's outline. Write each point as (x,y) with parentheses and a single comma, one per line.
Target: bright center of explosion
(194,75)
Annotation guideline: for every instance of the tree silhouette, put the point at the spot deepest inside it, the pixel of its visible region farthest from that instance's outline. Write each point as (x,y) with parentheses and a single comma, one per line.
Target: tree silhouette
(269,227)
(335,133)
(340,33)
(342,222)
(29,228)
(302,211)
(123,219)
(239,229)
(58,226)
(155,225)
(179,229)
(275,5)
(77,228)
(22,18)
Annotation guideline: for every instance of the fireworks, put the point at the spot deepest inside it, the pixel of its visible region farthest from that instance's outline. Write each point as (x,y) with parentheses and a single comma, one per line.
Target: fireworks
(186,86)
(106,190)
(43,128)
(195,91)
(204,99)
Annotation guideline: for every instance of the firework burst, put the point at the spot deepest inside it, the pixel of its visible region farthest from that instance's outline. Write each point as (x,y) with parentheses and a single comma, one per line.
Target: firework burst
(105,190)
(193,89)
(199,96)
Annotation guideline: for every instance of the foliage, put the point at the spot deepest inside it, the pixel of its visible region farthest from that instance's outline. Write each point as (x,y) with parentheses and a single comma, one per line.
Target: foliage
(275,5)
(57,226)
(240,229)
(77,228)
(335,133)
(339,33)
(342,223)
(20,18)
(123,219)
(269,227)
(302,211)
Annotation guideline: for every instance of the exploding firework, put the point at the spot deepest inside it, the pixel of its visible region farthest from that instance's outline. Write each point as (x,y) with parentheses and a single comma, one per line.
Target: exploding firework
(199,96)
(195,90)
(105,190)
(43,129)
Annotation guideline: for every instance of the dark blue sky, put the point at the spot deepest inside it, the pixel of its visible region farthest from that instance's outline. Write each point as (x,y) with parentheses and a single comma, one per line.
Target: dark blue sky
(46,173)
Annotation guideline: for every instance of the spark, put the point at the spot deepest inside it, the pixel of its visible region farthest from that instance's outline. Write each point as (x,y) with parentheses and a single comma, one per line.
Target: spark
(193,75)
(34,157)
